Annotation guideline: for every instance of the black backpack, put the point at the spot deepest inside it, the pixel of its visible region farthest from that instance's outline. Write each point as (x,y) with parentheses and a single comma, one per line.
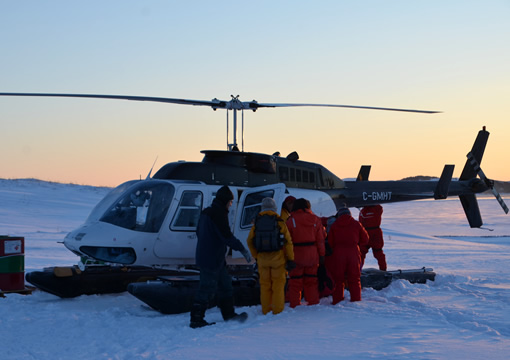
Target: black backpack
(267,234)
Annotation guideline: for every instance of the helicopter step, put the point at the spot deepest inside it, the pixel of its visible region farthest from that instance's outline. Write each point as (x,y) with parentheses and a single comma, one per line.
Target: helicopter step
(174,294)
(70,281)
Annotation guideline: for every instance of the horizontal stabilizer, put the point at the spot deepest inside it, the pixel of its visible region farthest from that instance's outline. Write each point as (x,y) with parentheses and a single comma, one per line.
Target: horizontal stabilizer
(470,205)
(443,184)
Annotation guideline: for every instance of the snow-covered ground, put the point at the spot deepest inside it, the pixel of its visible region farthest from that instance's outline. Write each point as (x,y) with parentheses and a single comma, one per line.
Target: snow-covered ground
(464,314)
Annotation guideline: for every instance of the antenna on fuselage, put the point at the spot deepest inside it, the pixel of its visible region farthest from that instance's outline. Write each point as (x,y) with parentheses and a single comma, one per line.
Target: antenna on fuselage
(150,171)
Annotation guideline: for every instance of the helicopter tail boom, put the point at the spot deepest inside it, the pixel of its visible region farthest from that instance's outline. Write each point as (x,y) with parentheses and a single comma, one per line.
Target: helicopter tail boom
(472,181)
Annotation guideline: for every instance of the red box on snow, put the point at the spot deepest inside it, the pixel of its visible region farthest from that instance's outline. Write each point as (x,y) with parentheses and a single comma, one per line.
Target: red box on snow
(12,263)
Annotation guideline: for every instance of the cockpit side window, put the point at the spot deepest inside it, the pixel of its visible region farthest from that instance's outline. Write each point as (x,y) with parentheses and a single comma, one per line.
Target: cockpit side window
(187,214)
(252,206)
(143,208)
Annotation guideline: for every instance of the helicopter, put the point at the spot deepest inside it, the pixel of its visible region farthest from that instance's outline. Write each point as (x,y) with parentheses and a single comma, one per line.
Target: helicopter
(146,228)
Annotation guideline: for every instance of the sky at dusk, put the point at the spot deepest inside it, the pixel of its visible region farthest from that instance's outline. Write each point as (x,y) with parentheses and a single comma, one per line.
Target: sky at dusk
(449,56)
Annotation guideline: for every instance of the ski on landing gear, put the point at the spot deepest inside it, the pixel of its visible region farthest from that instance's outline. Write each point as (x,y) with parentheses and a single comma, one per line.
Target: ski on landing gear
(174,294)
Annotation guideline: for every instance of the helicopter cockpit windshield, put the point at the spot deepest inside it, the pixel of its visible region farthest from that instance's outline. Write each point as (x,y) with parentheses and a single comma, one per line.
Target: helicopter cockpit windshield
(142,208)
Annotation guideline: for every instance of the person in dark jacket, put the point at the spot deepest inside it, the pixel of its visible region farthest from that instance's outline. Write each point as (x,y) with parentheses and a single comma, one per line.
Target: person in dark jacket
(346,236)
(214,235)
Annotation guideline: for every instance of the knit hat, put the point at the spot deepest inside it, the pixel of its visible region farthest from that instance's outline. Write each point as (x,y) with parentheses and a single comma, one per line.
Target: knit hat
(268,204)
(289,198)
(343,210)
(224,195)
(288,203)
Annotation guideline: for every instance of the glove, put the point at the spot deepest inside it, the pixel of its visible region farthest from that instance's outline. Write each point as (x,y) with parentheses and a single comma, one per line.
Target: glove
(246,253)
(322,260)
(291,265)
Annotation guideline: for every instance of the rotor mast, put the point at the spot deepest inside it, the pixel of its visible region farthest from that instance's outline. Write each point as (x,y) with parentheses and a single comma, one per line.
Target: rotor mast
(234,105)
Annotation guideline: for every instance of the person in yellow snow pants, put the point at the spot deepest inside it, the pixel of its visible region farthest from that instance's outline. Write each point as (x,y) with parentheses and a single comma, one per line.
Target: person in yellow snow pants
(270,244)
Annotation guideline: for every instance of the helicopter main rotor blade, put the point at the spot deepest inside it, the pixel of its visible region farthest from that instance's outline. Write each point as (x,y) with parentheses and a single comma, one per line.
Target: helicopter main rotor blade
(257,105)
(233,104)
(215,104)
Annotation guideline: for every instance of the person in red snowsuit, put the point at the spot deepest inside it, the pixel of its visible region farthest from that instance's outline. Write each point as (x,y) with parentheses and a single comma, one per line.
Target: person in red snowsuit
(307,235)
(346,236)
(370,218)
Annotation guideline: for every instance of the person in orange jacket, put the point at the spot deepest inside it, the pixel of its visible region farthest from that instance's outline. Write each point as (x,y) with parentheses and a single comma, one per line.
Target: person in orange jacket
(271,263)
(346,236)
(307,235)
(370,218)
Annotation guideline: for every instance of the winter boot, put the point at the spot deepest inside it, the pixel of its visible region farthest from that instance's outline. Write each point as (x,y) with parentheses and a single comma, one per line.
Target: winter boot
(197,316)
(227,311)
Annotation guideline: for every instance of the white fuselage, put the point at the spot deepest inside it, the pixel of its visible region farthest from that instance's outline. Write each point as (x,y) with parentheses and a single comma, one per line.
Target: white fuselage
(153,222)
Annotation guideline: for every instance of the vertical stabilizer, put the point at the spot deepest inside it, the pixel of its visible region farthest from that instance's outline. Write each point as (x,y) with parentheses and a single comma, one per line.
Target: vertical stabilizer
(477,151)
(470,205)
(471,168)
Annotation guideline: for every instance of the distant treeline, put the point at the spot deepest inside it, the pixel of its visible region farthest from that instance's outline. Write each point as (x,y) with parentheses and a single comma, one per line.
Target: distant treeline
(501,186)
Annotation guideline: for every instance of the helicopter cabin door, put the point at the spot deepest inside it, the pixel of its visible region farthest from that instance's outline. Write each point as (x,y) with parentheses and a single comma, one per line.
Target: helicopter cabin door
(247,208)
(177,240)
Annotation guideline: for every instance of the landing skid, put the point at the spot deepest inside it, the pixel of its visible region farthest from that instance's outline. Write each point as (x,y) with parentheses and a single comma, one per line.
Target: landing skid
(70,281)
(171,291)
(174,295)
